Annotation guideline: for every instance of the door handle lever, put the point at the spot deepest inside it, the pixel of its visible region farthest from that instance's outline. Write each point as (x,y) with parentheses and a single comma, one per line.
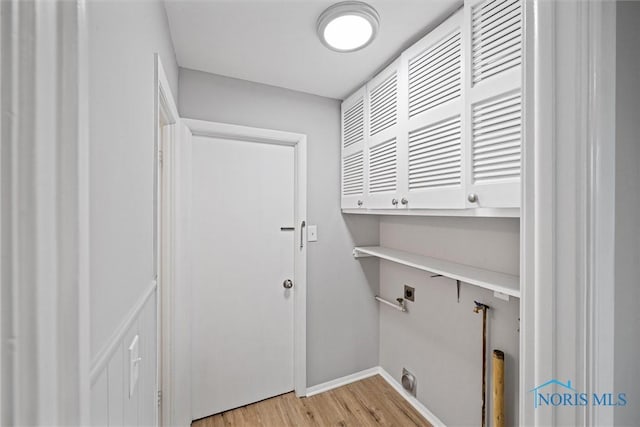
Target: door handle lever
(302,234)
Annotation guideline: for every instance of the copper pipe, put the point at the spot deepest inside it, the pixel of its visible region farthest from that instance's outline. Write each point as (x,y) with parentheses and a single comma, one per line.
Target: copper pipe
(483,307)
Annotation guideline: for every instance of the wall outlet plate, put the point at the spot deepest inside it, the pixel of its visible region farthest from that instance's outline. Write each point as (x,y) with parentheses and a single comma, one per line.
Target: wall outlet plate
(312,233)
(134,364)
(409,293)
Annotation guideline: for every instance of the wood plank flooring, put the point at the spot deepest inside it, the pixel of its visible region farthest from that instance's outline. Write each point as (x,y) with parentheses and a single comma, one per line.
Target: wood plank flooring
(369,402)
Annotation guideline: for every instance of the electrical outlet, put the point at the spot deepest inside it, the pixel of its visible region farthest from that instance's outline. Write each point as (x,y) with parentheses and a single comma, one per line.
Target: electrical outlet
(409,293)
(134,365)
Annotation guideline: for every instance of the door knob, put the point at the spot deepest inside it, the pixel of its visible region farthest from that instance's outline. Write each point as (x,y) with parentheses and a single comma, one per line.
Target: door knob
(359,202)
(404,201)
(287,284)
(473,197)
(394,202)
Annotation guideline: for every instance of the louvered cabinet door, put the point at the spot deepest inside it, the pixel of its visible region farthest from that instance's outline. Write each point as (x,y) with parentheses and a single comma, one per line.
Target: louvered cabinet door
(353,156)
(383,141)
(434,68)
(494,102)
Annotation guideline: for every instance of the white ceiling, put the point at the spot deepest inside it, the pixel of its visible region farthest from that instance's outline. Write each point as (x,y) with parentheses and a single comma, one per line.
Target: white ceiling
(274,41)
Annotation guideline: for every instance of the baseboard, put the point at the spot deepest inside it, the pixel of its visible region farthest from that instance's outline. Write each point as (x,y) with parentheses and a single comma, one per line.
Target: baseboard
(378,370)
(339,382)
(418,406)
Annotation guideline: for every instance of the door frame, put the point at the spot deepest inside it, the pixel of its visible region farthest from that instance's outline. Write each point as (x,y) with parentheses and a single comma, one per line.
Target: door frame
(44,215)
(164,243)
(299,142)
(567,222)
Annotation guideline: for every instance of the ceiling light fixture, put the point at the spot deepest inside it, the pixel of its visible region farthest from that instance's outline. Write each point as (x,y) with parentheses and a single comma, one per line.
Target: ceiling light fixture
(348,26)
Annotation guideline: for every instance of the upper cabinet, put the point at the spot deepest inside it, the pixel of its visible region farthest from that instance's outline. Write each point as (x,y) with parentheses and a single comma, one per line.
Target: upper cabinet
(353,139)
(494,102)
(434,121)
(383,140)
(440,128)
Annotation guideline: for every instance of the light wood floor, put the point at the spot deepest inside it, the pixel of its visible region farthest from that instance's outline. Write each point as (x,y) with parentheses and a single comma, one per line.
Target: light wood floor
(369,402)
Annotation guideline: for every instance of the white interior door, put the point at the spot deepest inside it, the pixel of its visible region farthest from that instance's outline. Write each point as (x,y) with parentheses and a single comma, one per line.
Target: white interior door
(242,320)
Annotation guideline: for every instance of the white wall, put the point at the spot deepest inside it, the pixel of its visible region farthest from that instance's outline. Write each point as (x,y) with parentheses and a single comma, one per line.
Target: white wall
(342,330)
(440,340)
(627,193)
(123,37)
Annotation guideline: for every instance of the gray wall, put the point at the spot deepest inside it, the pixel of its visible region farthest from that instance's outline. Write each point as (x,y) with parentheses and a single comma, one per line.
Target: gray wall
(123,38)
(627,249)
(342,329)
(440,340)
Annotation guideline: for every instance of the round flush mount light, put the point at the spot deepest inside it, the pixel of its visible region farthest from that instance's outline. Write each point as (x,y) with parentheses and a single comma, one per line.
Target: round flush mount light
(348,26)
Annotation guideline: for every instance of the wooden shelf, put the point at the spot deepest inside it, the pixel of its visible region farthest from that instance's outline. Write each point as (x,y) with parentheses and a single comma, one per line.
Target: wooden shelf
(492,280)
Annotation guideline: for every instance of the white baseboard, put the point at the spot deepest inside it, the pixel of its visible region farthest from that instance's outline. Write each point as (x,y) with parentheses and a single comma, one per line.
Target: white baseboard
(378,370)
(418,406)
(339,382)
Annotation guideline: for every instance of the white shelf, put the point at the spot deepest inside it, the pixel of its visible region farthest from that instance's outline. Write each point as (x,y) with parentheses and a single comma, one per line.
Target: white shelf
(476,212)
(492,280)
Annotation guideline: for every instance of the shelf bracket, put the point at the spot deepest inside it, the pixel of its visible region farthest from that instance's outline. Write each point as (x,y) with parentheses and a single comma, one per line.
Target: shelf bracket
(457,284)
(358,254)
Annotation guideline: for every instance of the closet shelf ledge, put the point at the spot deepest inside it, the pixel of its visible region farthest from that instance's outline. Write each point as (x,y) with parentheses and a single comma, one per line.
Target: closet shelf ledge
(488,279)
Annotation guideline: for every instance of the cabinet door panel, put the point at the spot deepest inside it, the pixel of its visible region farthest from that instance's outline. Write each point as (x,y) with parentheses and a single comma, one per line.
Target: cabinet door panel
(354,128)
(434,129)
(383,141)
(494,107)
(496,134)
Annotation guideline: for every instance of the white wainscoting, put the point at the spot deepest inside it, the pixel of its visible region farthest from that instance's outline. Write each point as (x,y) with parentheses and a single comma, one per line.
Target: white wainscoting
(111,404)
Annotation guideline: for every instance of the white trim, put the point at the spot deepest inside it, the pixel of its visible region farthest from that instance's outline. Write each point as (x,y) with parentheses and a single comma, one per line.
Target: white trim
(83,218)
(600,25)
(229,131)
(166,251)
(342,381)
(377,370)
(164,91)
(299,142)
(102,358)
(44,220)
(567,274)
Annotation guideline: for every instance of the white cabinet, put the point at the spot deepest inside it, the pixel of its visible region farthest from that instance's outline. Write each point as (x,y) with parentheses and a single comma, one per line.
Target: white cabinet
(434,121)
(494,102)
(383,140)
(353,144)
(440,128)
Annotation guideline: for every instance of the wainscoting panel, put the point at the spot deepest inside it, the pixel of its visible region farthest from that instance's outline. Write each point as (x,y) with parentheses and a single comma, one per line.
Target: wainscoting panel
(100,401)
(111,401)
